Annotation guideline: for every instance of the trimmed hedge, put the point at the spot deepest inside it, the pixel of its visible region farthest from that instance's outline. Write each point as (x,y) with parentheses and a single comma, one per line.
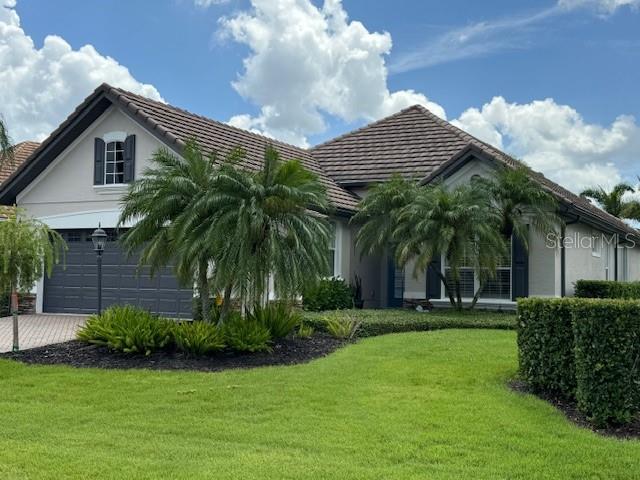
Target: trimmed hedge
(607,355)
(386,321)
(545,344)
(607,289)
(584,349)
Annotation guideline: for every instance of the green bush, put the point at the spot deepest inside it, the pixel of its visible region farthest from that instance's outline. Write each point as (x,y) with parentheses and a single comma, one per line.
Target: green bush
(342,325)
(328,294)
(246,335)
(545,344)
(277,317)
(213,309)
(383,321)
(607,356)
(305,330)
(5,311)
(128,329)
(607,289)
(198,338)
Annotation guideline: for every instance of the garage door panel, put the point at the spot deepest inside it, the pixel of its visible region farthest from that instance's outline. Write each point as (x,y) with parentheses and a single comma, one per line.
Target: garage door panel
(74,289)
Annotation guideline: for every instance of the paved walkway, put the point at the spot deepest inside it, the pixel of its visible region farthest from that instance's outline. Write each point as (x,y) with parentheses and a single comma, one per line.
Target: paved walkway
(39,330)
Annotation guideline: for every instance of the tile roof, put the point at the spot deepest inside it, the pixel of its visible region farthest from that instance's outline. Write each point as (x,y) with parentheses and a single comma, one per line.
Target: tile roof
(177,126)
(416,143)
(21,152)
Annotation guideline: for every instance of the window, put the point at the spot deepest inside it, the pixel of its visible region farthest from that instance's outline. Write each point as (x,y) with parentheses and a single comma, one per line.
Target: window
(596,245)
(332,251)
(467,278)
(498,288)
(114,163)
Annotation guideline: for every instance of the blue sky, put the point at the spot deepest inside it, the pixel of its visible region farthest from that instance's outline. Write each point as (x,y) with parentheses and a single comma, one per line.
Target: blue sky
(457,55)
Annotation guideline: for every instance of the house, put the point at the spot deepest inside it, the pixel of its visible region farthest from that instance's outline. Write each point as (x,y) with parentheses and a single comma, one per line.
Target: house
(21,152)
(74,180)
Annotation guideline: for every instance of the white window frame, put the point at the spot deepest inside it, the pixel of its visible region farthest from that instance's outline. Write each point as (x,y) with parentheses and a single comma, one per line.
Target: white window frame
(596,244)
(335,246)
(114,175)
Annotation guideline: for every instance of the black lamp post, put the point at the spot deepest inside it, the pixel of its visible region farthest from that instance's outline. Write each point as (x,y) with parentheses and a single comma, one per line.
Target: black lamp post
(99,238)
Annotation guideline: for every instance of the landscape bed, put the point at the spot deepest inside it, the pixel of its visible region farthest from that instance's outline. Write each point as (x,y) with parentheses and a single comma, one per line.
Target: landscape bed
(286,351)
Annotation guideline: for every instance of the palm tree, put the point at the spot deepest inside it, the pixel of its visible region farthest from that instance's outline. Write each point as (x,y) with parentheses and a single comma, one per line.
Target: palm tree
(267,224)
(6,148)
(520,200)
(613,202)
(163,193)
(420,222)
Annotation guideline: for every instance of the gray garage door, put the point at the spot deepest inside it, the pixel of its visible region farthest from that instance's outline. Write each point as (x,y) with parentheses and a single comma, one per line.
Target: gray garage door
(73,289)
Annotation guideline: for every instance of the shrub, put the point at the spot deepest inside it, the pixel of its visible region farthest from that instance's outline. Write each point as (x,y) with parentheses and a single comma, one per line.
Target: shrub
(607,356)
(128,329)
(384,321)
(342,325)
(607,289)
(305,330)
(277,317)
(197,310)
(4,304)
(246,335)
(328,294)
(545,344)
(198,338)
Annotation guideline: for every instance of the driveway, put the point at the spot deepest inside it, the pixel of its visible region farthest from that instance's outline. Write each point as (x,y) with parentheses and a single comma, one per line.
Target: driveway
(39,330)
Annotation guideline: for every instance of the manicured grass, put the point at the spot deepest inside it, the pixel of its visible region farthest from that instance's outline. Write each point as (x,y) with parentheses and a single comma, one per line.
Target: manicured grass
(378,322)
(408,406)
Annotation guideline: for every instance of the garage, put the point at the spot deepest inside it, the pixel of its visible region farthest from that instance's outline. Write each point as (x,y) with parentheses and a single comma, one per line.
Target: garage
(73,288)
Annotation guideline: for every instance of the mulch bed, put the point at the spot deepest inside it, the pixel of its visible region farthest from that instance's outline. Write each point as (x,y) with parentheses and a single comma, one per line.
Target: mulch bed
(287,351)
(570,410)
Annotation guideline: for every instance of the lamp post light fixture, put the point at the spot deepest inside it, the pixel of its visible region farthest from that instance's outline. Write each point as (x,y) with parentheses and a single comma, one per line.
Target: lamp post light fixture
(99,239)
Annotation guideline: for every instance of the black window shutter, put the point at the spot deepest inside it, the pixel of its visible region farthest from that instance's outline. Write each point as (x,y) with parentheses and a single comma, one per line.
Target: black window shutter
(434,284)
(98,162)
(519,269)
(129,158)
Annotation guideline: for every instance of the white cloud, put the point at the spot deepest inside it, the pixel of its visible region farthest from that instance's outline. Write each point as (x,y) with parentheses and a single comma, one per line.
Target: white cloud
(602,6)
(556,140)
(305,62)
(208,3)
(39,87)
(483,38)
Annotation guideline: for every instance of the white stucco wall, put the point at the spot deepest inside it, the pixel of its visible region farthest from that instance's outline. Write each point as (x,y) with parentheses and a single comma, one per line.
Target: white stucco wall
(66,187)
(544,266)
(581,262)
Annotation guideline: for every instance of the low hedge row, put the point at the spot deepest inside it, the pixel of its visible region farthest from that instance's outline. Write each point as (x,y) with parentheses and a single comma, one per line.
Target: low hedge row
(584,349)
(382,322)
(607,289)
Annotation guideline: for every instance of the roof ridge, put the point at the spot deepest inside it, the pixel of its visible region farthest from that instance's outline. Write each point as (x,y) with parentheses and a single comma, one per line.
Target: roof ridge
(364,127)
(183,111)
(496,152)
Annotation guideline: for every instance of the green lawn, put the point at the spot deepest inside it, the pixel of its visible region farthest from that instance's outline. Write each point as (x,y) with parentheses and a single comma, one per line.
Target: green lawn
(406,406)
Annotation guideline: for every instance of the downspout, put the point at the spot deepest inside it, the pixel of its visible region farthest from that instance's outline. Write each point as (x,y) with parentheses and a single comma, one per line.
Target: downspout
(563,256)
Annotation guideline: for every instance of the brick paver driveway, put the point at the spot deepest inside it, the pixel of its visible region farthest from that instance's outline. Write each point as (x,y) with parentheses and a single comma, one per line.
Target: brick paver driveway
(39,330)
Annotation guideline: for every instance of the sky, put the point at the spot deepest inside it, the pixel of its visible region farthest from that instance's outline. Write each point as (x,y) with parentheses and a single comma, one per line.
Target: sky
(552,82)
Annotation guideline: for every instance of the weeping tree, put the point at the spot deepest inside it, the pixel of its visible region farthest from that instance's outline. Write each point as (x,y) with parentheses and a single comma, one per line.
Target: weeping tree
(6,148)
(28,248)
